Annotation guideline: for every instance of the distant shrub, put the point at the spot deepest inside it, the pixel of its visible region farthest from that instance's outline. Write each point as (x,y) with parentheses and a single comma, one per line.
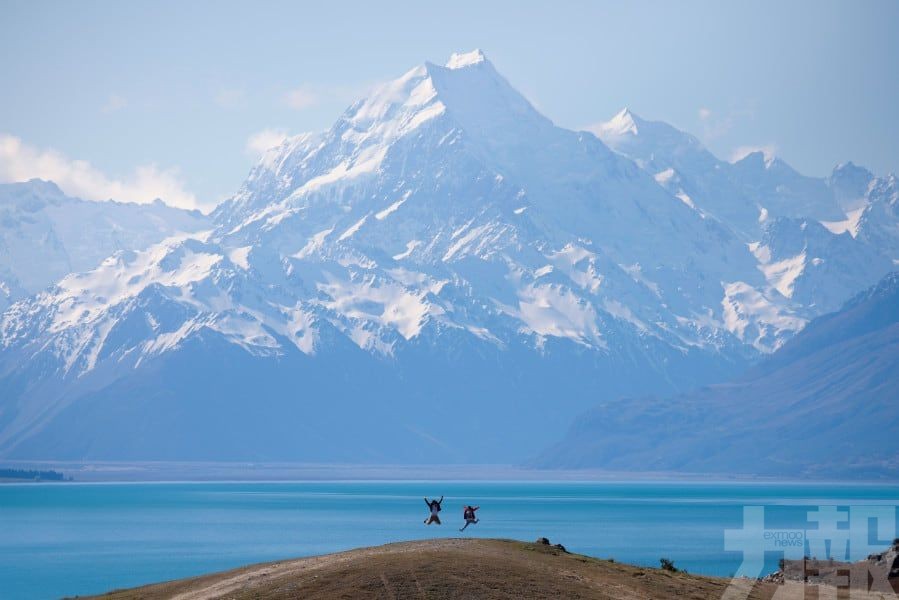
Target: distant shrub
(28,474)
(668,565)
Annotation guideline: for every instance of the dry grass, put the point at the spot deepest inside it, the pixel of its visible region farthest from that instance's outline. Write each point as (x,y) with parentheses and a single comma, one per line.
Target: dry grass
(455,568)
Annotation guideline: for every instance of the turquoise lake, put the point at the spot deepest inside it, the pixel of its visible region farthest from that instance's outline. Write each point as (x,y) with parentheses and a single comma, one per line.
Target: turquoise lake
(70,538)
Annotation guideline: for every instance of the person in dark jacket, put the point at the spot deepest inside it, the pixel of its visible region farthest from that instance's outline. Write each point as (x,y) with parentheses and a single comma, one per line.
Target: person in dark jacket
(434,507)
(468,515)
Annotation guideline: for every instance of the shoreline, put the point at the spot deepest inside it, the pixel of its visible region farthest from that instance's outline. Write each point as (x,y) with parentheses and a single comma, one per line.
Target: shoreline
(211,527)
(290,472)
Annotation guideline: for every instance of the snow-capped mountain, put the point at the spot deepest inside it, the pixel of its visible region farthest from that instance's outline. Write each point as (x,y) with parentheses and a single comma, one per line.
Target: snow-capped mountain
(801,229)
(45,235)
(442,275)
(876,223)
(744,194)
(850,183)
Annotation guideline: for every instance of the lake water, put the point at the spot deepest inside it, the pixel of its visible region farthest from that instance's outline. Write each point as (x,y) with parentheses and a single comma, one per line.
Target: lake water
(68,539)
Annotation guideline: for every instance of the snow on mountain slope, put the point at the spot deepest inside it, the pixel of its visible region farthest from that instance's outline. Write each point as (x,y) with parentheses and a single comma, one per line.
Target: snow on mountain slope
(850,184)
(878,224)
(741,194)
(441,159)
(821,264)
(45,234)
(792,224)
(443,240)
(815,268)
(460,155)
(872,208)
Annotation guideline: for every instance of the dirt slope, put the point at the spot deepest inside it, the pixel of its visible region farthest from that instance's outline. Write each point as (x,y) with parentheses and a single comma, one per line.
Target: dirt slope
(455,568)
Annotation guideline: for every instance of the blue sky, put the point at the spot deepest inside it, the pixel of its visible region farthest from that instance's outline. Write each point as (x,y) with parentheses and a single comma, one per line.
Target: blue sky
(137,99)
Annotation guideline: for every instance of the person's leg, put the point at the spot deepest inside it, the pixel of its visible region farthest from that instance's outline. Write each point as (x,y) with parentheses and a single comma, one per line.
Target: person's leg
(436,519)
(464,526)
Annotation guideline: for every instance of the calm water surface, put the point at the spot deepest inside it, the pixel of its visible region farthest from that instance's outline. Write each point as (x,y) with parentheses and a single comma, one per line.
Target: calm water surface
(67,539)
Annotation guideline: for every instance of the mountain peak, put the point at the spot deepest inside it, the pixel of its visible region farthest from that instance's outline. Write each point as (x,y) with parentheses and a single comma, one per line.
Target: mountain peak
(623,124)
(460,60)
(758,159)
(850,170)
(42,186)
(850,183)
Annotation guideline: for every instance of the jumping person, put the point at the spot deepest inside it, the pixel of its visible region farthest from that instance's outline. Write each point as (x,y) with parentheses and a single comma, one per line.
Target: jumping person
(434,506)
(468,515)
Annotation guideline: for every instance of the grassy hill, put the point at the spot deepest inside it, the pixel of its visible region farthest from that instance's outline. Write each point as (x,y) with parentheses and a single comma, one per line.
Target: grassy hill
(453,568)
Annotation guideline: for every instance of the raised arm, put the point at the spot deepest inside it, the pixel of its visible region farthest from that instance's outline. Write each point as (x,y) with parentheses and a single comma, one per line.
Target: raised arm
(475,508)
(440,501)
(428,503)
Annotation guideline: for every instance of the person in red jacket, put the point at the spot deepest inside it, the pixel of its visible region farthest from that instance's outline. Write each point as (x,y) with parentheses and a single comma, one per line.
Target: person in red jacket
(434,506)
(468,515)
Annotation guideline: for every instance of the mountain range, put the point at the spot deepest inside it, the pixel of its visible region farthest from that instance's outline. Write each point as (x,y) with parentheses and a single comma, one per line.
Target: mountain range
(443,275)
(45,235)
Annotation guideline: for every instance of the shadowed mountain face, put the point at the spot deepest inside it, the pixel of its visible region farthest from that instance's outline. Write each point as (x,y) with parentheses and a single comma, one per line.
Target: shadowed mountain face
(444,275)
(825,405)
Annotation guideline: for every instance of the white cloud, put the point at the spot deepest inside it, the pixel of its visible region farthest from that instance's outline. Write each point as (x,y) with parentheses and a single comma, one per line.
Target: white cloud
(263,140)
(230,99)
(114,103)
(741,152)
(301,98)
(714,125)
(308,95)
(717,124)
(20,162)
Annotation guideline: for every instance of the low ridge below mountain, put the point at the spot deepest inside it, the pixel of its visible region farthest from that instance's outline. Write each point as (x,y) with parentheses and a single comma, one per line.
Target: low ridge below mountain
(826,405)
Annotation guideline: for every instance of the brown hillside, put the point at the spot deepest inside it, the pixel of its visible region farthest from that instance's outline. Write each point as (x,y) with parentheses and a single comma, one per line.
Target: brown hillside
(453,568)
